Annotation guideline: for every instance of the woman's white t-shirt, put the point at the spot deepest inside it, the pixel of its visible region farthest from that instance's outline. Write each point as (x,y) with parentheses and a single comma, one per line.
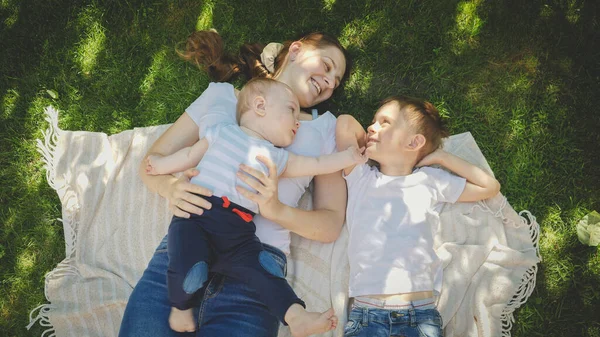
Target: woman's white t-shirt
(217,104)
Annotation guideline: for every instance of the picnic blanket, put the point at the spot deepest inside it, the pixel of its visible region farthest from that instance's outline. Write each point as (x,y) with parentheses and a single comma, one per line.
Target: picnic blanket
(112,224)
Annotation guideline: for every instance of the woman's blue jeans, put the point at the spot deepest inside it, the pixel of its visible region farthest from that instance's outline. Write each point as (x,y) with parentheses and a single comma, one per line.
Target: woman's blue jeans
(225,307)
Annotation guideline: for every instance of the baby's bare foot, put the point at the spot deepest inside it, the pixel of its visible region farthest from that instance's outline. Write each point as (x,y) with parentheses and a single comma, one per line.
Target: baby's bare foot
(150,167)
(182,320)
(307,323)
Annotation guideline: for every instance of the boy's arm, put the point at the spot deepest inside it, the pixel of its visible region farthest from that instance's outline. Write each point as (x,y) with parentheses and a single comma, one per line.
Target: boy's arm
(298,166)
(349,132)
(480,185)
(181,160)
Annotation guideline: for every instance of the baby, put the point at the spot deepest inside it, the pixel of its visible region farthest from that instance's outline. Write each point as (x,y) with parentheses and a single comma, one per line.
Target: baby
(223,239)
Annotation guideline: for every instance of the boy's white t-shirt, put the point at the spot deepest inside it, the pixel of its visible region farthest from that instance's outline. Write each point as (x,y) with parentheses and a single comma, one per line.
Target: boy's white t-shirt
(217,104)
(390,247)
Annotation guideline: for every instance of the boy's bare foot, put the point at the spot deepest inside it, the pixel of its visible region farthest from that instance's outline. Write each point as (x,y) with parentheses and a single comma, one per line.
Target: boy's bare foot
(182,320)
(303,323)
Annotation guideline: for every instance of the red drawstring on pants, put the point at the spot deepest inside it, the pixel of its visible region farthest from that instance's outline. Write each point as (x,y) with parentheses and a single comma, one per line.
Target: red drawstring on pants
(245,216)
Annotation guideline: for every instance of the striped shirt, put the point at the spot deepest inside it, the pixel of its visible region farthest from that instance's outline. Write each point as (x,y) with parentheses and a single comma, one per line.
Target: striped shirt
(229,147)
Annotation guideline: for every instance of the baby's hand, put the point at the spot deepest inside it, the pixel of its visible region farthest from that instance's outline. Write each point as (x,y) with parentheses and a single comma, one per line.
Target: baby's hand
(358,155)
(151,169)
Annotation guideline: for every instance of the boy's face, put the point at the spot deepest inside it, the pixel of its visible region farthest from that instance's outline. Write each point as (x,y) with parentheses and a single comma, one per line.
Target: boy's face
(282,112)
(389,134)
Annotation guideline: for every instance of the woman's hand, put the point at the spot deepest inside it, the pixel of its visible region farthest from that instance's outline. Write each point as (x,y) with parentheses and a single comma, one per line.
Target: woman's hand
(267,196)
(182,200)
(435,157)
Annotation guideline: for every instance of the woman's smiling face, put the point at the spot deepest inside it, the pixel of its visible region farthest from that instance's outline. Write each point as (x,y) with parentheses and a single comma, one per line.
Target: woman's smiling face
(313,73)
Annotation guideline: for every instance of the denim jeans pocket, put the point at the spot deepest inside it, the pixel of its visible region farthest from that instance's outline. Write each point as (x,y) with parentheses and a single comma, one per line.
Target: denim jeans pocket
(431,326)
(352,328)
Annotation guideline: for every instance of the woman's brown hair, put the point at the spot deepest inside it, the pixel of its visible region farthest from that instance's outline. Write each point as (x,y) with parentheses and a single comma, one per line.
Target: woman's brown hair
(205,49)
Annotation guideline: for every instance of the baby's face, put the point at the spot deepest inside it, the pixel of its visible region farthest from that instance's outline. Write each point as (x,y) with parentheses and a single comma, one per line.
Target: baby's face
(283,110)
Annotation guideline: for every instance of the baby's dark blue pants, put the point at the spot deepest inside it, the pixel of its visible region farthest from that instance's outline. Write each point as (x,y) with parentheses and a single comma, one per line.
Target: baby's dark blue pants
(223,240)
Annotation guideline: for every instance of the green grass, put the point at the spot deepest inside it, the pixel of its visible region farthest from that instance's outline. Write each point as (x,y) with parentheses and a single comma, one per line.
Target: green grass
(521,76)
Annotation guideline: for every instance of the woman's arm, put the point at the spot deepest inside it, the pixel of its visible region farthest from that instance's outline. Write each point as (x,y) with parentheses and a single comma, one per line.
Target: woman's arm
(349,132)
(324,223)
(178,191)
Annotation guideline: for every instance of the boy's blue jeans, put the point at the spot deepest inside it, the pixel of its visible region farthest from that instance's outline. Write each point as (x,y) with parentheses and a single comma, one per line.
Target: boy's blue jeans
(227,307)
(369,322)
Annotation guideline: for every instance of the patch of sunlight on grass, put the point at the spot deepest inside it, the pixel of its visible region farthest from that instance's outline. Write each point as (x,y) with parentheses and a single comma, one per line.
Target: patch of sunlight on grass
(205,19)
(520,85)
(93,40)
(517,129)
(13,9)
(540,123)
(9,101)
(25,263)
(328,4)
(555,239)
(474,93)
(574,11)
(355,33)
(120,122)
(36,108)
(441,106)
(359,81)
(546,11)
(594,265)
(593,331)
(559,275)
(468,26)
(157,64)
(552,240)
(5,311)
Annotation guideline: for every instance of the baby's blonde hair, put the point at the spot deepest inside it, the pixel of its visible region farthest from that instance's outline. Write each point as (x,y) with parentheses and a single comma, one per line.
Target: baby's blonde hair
(258,86)
(423,118)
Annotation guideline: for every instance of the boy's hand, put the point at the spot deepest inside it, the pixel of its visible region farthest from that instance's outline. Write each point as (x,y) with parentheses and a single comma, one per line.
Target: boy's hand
(435,157)
(358,155)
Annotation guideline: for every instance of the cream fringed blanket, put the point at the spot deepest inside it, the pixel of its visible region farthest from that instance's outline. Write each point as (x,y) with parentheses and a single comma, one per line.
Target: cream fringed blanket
(112,225)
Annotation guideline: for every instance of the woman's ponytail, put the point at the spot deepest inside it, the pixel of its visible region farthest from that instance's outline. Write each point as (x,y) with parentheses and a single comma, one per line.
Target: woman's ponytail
(205,49)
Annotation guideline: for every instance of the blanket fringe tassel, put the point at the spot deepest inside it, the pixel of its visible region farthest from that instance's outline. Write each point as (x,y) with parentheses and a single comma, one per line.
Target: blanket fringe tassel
(42,317)
(527,285)
(47,148)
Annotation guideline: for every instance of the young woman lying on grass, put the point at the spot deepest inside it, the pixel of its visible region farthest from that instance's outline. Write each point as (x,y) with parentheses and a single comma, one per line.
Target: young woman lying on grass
(313,68)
